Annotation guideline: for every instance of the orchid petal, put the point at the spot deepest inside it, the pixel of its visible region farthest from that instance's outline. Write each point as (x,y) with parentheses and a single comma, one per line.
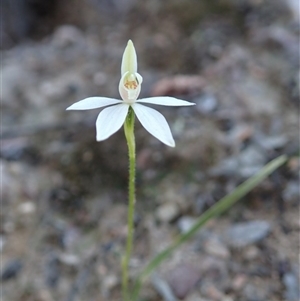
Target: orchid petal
(129,59)
(166,101)
(110,120)
(93,103)
(155,123)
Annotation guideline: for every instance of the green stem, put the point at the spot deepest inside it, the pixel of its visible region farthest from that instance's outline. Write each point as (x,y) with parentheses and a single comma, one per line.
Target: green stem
(129,134)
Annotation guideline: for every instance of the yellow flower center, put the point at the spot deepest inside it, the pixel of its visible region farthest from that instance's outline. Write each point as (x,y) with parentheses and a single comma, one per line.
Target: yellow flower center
(131,82)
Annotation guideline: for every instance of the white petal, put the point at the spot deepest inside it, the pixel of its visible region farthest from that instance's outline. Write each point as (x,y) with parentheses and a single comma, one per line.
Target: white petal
(166,101)
(129,59)
(110,120)
(93,103)
(155,123)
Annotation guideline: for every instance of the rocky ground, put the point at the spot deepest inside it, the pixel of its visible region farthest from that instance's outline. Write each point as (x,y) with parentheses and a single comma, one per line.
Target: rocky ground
(64,195)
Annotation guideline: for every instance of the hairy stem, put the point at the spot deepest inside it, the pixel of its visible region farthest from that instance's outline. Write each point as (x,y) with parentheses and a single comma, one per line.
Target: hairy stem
(129,133)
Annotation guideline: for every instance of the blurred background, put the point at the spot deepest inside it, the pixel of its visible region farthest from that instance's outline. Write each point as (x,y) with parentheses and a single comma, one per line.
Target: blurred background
(64,195)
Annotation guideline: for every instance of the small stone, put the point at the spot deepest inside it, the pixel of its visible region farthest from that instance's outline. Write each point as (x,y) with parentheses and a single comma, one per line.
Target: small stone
(291,192)
(110,282)
(207,103)
(11,270)
(292,289)
(14,149)
(239,282)
(52,270)
(251,253)
(69,259)
(241,133)
(27,208)
(293,5)
(294,164)
(185,223)
(66,35)
(227,167)
(210,291)
(215,247)
(270,143)
(201,202)
(167,212)
(251,160)
(183,279)
(163,288)
(243,234)
(2,242)
(252,155)
(253,293)
(195,297)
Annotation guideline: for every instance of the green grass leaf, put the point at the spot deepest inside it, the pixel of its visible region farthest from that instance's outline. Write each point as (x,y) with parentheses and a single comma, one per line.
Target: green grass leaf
(220,207)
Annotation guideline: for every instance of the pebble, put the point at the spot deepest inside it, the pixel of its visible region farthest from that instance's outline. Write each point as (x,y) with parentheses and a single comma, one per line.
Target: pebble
(227,167)
(110,281)
(215,247)
(292,289)
(163,288)
(11,270)
(292,191)
(239,281)
(212,292)
(240,133)
(27,208)
(69,259)
(207,103)
(2,242)
(185,223)
(254,293)
(14,149)
(195,297)
(52,270)
(274,142)
(246,164)
(66,35)
(258,96)
(167,212)
(251,253)
(243,234)
(201,202)
(251,160)
(183,279)
(293,5)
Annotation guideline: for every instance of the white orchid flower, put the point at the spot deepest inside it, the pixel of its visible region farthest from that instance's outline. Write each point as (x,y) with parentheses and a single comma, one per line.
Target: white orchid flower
(112,118)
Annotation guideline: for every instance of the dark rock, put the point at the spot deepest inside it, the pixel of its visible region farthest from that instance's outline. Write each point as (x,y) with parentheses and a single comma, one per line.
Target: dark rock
(52,270)
(11,269)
